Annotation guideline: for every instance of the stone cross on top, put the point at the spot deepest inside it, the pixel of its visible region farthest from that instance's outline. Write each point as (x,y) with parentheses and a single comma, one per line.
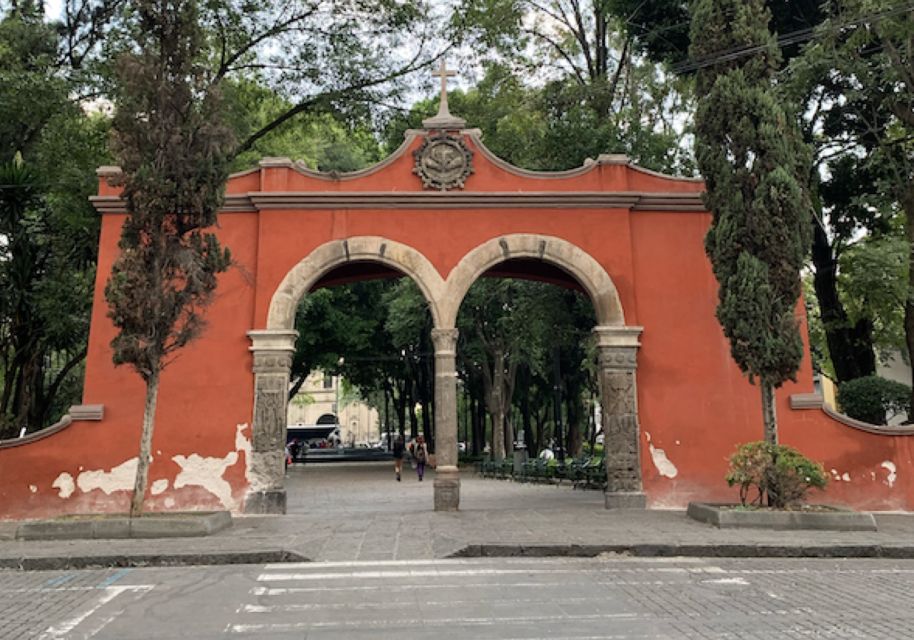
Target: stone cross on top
(443,119)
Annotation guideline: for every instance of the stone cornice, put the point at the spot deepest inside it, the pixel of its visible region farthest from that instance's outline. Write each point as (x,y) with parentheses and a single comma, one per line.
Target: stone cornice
(629,200)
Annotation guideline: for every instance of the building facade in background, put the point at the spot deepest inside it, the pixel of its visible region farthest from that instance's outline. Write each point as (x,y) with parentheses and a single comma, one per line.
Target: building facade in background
(322,400)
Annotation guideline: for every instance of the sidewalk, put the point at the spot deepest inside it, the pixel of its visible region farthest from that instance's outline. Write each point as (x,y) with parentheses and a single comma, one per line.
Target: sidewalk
(357,512)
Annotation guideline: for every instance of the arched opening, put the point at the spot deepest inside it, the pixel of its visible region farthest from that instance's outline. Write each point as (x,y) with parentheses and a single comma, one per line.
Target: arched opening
(325,325)
(546,366)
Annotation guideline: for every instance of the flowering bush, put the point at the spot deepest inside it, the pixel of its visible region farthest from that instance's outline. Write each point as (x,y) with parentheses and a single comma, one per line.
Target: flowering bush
(781,475)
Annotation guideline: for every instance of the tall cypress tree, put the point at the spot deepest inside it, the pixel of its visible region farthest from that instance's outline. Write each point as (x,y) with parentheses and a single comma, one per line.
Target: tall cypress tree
(173,152)
(753,161)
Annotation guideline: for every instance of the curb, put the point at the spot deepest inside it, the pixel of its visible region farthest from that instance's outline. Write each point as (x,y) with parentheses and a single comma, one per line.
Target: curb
(687,550)
(59,563)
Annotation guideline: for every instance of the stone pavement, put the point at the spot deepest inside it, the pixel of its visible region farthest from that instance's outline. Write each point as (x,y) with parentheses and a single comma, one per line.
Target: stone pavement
(356,511)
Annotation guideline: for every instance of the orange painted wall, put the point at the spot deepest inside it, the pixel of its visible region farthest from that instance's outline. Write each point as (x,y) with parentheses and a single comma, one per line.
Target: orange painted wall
(694,404)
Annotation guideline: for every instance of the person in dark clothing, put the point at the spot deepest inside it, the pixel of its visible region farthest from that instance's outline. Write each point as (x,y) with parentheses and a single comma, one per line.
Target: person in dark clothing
(420,452)
(399,449)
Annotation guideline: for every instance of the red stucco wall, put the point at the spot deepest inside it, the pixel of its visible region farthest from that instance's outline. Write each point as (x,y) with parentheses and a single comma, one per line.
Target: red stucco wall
(694,404)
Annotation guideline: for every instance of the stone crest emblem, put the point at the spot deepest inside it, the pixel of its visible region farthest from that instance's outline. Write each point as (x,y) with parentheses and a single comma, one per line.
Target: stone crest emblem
(443,162)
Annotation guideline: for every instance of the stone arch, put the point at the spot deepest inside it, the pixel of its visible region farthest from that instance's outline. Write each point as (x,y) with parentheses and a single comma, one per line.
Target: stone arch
(299,280)
(589,273)
(273,347)
(617,345)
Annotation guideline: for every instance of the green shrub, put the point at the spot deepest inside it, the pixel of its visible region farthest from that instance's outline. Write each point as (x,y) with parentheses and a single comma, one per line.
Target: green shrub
(782,476)
(872,398)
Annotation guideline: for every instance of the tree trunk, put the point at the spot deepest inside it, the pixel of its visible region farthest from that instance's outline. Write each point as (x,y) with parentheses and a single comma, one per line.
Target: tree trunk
(850,347)
(497,405)
(400,405)
(411,412)
(769,414)
(142,465)
(479,427)
(526,423)
(908,205)
(575,439)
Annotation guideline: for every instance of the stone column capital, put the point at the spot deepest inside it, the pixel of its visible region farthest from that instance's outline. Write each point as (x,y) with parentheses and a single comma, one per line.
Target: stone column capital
(272,339)
(273,350)
(618,336)
(445,340)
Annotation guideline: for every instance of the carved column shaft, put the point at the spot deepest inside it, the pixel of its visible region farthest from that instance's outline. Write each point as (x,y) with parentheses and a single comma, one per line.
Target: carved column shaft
(618,357)
(272,363)
(447,477)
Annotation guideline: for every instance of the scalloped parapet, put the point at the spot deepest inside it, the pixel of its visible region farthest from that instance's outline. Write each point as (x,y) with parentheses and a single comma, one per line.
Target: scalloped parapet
(611,181)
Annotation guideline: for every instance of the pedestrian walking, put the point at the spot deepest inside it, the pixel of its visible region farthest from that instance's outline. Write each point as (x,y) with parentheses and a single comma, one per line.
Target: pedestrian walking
(420,453)
(399,449)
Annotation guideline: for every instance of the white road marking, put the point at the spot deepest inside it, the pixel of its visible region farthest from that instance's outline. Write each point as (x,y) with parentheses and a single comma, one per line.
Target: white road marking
(109,593)
(438,573)
(425,586)
(410,604)
(739,581)
(402,622)
(603,558)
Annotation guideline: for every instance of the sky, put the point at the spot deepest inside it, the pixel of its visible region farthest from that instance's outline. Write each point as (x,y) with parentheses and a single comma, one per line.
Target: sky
(52,8)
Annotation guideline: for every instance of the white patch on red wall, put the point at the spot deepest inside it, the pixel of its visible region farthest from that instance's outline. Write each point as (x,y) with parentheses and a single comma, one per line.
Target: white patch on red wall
(120,478)
(664,466)
(207,473)
(889,466)
(159,486)
(64,483)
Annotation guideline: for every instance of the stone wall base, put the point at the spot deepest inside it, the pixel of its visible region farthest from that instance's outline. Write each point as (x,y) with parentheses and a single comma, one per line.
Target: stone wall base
(260,502)
(625,500)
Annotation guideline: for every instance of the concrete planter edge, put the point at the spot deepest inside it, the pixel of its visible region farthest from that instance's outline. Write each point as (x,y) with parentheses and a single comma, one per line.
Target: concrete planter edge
(119,526)
(723,517)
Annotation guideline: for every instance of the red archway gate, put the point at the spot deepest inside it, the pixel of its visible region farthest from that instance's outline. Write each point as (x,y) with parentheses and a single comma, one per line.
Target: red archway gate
(443,211)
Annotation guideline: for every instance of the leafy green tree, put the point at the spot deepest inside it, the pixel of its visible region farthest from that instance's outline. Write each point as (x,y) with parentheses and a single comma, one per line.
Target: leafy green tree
(553,127)
(754,164)
(866,48)
(49,149)
(661,29)
(174,151)
(320,140)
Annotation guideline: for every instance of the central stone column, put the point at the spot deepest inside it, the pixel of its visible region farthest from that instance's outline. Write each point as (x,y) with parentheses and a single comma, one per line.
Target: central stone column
(618,354)
(447,477)
(272,351)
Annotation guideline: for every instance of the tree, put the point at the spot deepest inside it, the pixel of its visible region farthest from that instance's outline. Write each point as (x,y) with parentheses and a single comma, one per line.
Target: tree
(174,155)
(754,164)
(49,148)
(660,29)
(553,127)
(867,48)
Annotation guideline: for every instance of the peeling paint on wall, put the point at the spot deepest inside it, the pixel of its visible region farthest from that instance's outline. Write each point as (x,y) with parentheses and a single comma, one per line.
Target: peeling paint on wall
(207,473)
(120,478)
(65,483)
(889,466)
(664,466)
(243,444)
(159,486)
(33,488)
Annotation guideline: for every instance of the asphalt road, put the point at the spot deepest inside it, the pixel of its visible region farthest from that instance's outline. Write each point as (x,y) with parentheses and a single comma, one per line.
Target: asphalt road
(613,598)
